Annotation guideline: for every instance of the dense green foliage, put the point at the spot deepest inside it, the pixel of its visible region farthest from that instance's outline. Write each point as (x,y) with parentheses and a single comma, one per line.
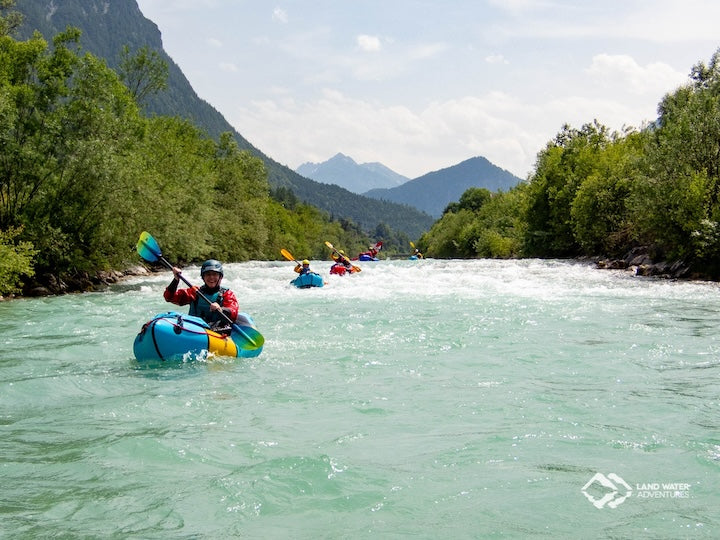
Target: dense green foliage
(83,172)
(599,193)
(15,261)
(576,197)
(481,224)
(144,73)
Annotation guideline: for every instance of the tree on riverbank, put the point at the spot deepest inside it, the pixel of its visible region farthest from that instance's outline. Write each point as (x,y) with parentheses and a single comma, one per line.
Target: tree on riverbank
(599,193)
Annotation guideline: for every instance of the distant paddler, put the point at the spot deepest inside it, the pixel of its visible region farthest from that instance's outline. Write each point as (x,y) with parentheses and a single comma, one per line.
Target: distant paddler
(370,254)
(415,255)
(342,262)
(307,277)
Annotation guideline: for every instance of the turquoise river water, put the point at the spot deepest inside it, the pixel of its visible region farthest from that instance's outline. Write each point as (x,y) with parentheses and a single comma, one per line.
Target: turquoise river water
(429,399)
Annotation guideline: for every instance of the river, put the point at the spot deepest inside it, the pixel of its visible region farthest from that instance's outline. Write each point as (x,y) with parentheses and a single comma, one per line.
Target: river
(424,399)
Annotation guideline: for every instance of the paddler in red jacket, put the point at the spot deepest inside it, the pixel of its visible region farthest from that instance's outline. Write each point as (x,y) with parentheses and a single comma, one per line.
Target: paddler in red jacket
(372,250)
(342,264)
(222,300)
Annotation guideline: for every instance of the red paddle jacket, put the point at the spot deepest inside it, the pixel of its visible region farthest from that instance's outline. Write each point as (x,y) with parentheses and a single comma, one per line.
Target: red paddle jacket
(198,306)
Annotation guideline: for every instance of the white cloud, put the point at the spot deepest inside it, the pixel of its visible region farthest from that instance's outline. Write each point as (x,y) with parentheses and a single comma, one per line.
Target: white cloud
(214,42)
(280,15)
(504,128)
(410,142)
(427,50)
(368,43)
(669,21)
(622,71)
(496,59)
(518,7)
(228,66)
(661,21)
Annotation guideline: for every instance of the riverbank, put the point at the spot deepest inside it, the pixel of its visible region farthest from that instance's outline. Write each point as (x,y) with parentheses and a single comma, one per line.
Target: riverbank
(637,261)
(52,285)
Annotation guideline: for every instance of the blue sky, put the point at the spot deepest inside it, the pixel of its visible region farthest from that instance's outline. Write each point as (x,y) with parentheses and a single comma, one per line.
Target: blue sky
(422,85)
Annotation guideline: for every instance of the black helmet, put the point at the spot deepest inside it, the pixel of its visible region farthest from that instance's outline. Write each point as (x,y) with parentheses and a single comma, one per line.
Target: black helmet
(211,265)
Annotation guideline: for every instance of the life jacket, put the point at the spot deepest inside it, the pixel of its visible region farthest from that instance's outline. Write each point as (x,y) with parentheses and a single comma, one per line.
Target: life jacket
(200,308)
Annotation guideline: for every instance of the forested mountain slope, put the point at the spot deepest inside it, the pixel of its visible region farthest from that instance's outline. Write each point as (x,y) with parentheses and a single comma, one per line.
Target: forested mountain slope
(433,191)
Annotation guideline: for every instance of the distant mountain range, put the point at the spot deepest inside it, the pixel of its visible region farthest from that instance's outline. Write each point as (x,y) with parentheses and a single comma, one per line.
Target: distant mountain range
(343,171)
(108,25)
(430,193)
(433,191)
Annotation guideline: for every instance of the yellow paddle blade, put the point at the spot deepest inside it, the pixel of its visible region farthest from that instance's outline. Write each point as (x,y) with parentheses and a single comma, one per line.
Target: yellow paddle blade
(285,253)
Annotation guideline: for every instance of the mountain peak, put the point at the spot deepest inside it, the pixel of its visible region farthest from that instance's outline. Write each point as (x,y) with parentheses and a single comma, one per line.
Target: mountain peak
(433,191)
(345,172)
(343,158)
